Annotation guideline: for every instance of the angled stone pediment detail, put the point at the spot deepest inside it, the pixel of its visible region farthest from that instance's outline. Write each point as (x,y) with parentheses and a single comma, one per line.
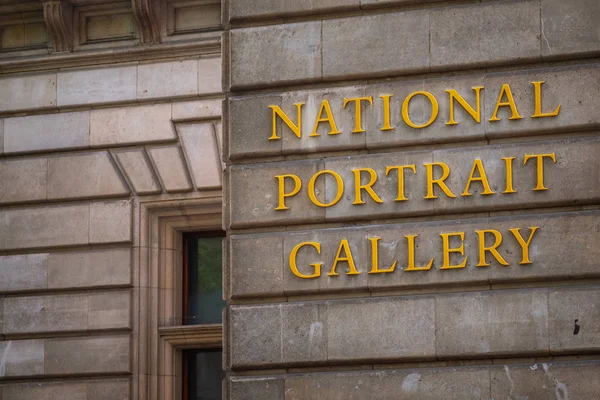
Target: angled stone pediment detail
(58,16)
(146,17)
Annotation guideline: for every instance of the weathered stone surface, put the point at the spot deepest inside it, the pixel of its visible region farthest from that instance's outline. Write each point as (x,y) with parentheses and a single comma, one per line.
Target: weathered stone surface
(22,358)
(139,171)
(114,389)
(97,389)
(111,221)
(255,335)
(23,179)
(141,124)
(209,75)
(110,310)
(257,388)
(197,109)
(89,268)
(200,145)
(569,29)
(23,272)
(304,333)
(485,34)
(34,91)
(84,175)
(500,324)
(574,317)
(171,168)
(106,354)
(239,10)
(170,79)
(97,85)
(348,49)
(46,132)
(275,54)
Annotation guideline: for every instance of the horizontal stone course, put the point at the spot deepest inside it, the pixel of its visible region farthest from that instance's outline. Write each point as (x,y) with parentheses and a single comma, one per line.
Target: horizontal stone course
(385,329)
(574,88)
(570,180)
(239,10)
(533,381)
(99,389)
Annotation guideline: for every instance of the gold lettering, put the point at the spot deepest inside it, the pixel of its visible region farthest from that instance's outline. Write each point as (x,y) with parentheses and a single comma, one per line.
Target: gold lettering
(386,112)
(368,187)
(281,189)
(508,161)
(524,244)
(434,109)
(510,102)
(447,250)
(375,258)
(316,266)
(400,169)
(492,249)
(478,165)
(325,107)
(437,181)
(538,102)
(311,188)
(348,258)
(474,113)
(358,111)
(540,168)
(411,256)
(278,112)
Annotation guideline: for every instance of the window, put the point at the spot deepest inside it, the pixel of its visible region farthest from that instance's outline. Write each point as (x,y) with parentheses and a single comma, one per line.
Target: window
(203,303)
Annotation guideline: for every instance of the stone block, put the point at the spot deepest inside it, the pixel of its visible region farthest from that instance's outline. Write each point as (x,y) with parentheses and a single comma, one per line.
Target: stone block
(570,29)
(492,324)
(49,226)
(304,333)
(54,313)
(275,54)
(45,391)
(485,34)
(23,272)
(171,168)
(46,132)
(197,109)
(210,75)
(348,50)
(138,170)
(239,10)
(89,268)
(22,358)
(33,91)
(199,142)
(113,389)
(1,136)
(254,196)
(256,388)
(111,221)
(574,318)
(97,85)
(110,310)
(84,175)
(569,380)
(127,125)
(23,179)
(93,355)
(167,79)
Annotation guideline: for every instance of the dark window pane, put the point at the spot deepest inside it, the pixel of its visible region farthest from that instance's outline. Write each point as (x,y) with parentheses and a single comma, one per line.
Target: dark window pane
(204,281)
(204,374)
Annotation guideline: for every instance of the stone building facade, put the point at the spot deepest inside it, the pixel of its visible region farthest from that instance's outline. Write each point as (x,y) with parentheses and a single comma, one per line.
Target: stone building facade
(409,191)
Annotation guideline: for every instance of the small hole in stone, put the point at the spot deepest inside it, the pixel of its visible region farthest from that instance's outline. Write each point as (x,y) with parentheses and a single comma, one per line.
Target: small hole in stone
(577,327)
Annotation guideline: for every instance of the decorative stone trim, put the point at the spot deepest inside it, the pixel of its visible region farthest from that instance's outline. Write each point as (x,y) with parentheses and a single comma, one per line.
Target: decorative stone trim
(148,23)
(58,16)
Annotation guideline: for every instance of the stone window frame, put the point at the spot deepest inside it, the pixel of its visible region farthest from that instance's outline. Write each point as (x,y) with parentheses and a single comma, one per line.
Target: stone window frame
(160,339)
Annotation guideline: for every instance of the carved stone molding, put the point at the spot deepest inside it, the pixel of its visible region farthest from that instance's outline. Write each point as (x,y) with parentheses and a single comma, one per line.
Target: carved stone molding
(58,16)
(147,20)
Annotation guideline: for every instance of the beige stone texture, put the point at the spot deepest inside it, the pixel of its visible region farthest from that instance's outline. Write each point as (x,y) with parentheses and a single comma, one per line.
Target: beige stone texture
(94,355)
(569,29)
(88,268)
(45,391)
(255,335)
(111,221)
(127,125)
(171,168)
(46,132)
(200,145)
(23,272)
(209,76)
(257,388)
(348,49)
(239,10)
(110,310)
(28,91)
(1,136)
(171,79)
(197,109)
(23,179)
(136,166)
(22,358)
(115,389)
(485,34)
(84,175)
(275,54)
(97,85)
